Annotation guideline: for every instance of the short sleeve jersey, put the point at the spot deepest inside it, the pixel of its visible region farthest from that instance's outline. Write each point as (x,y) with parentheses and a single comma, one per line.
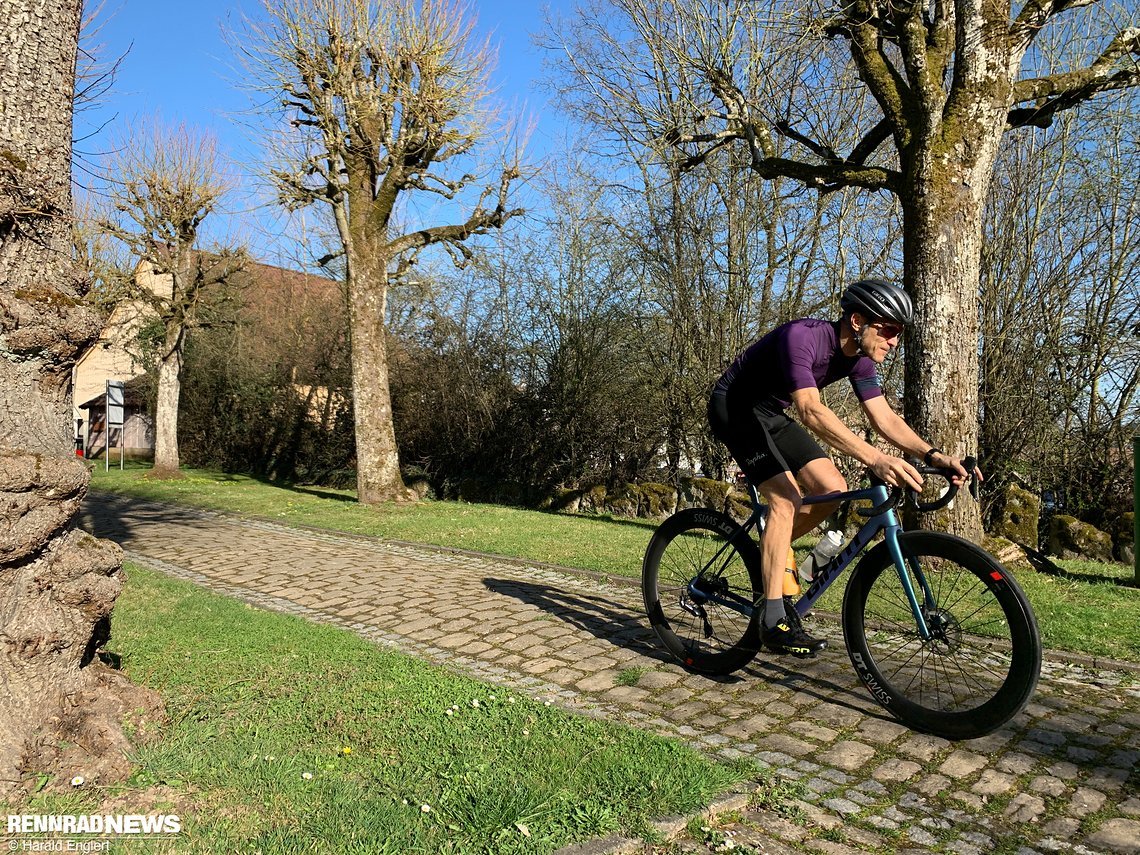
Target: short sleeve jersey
(797,355)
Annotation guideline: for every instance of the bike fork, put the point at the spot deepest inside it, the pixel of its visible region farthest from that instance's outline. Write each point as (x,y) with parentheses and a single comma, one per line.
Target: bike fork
(891,536)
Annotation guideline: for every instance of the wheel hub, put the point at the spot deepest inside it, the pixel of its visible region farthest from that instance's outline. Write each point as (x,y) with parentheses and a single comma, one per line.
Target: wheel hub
(945,631)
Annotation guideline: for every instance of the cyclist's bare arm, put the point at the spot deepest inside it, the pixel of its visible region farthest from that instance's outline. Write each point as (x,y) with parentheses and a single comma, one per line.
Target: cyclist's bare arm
(892,427)
(819,418)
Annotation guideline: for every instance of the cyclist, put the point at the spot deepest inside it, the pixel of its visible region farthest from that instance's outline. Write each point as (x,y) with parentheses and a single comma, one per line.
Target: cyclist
(786,369)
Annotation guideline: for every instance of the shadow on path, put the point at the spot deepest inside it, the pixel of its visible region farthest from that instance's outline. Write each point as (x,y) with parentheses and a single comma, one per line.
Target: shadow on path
(623,627)
(604,619)
(117,517)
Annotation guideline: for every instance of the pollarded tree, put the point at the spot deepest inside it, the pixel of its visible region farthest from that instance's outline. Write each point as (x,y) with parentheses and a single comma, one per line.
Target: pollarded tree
(60,708)
(385,100)
(941,82)
(162,185)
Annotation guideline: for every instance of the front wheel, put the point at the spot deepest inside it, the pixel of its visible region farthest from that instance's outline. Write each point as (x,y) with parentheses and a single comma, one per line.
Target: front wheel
(981,664)
(701,579)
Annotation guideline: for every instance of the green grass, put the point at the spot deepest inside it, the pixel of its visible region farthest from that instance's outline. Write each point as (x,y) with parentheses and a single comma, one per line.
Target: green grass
(1088,608)
(1093,608)
(631,676)
(286,736)
(594,543)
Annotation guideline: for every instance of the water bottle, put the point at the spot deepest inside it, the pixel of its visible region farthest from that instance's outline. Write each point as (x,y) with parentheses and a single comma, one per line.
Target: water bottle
(791,583)
(828,547)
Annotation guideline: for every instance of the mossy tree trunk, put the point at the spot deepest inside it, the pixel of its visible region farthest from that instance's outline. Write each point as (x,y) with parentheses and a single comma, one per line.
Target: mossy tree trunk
(61,710)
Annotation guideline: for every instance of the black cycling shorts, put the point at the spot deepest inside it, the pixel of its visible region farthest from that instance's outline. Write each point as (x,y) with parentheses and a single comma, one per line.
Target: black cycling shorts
(763,443)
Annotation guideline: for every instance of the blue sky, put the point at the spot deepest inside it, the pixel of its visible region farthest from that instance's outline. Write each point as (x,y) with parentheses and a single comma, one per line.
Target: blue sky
(177,66)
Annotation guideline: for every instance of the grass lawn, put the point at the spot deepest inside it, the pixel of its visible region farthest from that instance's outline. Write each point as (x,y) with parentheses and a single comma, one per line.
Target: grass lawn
(609,545)
(287,736)
(1088,608)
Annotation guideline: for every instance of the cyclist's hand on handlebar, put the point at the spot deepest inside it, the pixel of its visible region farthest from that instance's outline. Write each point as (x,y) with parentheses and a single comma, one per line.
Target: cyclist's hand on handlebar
(897,472)
(945,461)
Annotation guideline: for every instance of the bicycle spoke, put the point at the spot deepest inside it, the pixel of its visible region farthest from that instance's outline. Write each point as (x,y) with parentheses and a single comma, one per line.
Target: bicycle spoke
(694,577)
(980,662)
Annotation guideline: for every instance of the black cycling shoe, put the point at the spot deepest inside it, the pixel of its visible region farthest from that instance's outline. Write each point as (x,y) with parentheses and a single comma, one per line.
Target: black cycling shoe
(789,637)
(794,619)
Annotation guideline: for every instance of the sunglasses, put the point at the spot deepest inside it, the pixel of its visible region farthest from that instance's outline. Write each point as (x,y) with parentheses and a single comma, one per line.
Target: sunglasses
(887,329)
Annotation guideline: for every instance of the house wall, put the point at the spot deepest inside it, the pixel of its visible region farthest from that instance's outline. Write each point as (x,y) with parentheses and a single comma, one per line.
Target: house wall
(110,357)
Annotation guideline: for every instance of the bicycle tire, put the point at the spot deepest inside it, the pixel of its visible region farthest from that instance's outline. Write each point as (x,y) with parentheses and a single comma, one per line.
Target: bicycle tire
(704,636)
(983,665)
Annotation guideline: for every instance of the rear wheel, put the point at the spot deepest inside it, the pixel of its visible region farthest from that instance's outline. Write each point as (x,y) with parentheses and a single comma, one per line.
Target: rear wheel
(700,580)
(981,664)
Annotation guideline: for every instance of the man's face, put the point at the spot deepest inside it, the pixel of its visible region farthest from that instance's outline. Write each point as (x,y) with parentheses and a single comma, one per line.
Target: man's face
(878,337)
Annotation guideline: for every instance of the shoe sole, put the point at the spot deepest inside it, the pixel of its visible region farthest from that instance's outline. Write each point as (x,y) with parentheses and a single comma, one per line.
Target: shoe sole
(798,652)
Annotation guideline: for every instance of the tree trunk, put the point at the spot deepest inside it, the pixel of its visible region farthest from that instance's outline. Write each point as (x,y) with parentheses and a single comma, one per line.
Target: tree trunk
(942,251)
(61,710)
(378,476)
(166,461)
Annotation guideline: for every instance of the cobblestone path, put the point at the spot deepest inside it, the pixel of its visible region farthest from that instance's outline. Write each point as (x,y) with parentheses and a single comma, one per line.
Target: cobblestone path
(1062,777)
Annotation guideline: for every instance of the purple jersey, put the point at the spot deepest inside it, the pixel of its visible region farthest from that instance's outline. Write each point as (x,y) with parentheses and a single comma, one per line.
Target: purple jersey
(797,355)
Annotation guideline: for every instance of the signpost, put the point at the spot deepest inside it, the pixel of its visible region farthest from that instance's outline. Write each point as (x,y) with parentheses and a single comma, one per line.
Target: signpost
(115,407)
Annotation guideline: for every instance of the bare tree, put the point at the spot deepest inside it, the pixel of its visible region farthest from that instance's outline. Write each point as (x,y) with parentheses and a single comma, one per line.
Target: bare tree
(163,185)
(1059,308)
(385,103)
(60,708)
(941,81)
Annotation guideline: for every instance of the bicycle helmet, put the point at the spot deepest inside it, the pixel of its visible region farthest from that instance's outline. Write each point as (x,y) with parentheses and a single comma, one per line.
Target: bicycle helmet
(877,299)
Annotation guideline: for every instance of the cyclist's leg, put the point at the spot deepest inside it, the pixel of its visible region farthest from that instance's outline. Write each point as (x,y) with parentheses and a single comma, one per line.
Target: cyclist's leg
(782,628)
(814,471)
(749,434)
(817,477)
(783,499)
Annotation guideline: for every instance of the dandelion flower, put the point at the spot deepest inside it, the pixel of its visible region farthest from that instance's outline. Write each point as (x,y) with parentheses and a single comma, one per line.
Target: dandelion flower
(475,703)
(308,776)
(346,751)
(425,808)
(78,781)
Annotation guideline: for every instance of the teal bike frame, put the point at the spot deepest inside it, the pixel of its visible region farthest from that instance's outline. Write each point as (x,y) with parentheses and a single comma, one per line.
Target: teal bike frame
(881,518)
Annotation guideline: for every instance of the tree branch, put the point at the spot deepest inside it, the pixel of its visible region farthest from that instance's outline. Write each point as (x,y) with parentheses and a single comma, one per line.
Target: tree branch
(833,174)
(1058,92)
(870,143)
(887,86)
(479,222)
(824,152)
(1035,14)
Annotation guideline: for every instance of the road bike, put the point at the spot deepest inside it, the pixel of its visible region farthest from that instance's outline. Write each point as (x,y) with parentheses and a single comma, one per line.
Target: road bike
(938,630)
